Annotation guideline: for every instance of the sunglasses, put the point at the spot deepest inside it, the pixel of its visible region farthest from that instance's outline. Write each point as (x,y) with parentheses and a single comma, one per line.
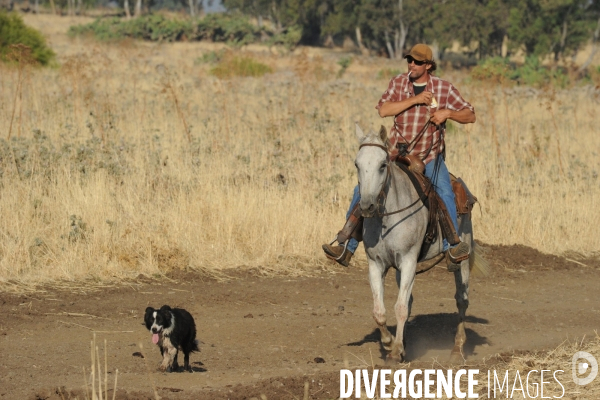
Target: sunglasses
(411,60)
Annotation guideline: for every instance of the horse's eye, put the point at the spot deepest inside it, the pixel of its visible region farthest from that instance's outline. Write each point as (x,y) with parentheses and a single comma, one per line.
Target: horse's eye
(356,165)
(383,165)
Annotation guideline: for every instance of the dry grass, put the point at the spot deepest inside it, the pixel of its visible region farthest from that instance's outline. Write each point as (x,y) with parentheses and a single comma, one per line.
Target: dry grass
(556,363)
(560,358)
(133,159)
(96,384)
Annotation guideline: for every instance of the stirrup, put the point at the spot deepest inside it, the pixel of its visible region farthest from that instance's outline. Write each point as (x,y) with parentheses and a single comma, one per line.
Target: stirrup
(452,267)
(461,256)
(344,245)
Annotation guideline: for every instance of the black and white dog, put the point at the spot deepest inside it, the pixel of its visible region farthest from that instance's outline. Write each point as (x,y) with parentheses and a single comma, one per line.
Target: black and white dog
(173,329)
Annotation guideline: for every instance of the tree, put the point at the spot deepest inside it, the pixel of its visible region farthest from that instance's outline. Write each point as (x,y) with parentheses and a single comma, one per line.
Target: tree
(557,27)
(540,27)
(466,21)
(594,10)
(284,14)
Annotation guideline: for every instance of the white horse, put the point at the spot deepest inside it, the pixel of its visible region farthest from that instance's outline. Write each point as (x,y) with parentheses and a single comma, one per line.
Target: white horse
(395,241)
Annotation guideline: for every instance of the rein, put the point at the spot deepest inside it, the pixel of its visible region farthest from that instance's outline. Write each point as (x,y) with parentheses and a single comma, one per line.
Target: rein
(385,184)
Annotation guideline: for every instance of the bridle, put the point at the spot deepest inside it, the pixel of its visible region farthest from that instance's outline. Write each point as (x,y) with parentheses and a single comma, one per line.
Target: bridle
(382,196)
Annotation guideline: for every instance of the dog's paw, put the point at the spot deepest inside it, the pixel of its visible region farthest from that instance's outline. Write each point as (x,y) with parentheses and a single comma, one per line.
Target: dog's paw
(169,369)
(162,368)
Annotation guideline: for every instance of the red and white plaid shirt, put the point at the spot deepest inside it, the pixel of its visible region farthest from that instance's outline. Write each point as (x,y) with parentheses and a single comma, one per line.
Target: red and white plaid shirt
(409,123)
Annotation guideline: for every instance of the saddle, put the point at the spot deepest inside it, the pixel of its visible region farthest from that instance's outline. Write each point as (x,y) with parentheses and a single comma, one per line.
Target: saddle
(438,214)
(464,201)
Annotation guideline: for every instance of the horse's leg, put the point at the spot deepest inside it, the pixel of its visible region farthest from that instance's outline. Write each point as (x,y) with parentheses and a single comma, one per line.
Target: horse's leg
(461,279)
(402,307)
(376,278)
(410,303)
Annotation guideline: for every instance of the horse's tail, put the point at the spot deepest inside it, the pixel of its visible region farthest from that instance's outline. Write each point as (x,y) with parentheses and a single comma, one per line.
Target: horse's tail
(478,265)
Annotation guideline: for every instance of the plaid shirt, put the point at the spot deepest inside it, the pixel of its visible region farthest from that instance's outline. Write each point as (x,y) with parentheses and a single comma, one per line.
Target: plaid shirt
(409,123)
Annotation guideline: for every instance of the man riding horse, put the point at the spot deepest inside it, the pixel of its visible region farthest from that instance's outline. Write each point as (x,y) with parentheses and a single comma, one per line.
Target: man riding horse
(420,103)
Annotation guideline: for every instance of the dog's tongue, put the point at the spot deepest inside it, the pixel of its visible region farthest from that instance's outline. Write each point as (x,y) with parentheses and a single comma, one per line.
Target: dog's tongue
(155,338)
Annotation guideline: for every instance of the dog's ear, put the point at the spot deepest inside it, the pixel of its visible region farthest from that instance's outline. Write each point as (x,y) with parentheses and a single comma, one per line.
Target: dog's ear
(165,308)
(148,318)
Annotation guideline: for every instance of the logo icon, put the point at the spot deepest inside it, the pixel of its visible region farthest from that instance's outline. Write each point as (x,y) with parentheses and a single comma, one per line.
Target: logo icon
(580,368)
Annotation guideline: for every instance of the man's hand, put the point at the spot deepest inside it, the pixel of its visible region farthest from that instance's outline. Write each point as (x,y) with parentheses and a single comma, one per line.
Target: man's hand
(423,98)
(440,116)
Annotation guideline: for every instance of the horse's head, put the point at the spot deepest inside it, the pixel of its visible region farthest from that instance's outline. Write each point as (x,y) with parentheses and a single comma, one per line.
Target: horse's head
(372,167)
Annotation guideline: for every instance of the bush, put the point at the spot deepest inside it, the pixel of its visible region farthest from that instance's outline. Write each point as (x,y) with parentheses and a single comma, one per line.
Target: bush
(344,63)
(233,29)
(240,66)
(154,27)
(13,31)
(157,28)
(531,73)
(289,38)
(492,69)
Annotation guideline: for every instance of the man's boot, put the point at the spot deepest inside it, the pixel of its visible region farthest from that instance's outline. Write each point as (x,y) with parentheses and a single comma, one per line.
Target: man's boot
(352,229)
(457,254)
(339,253)
(459,251)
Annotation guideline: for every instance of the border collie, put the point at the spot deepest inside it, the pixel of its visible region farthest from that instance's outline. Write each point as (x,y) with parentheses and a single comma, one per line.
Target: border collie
(172,329)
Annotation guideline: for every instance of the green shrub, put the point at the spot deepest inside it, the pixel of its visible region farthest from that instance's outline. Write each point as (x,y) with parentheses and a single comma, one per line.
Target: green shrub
(14,31)
(154,27)
(492,69)
(157,27)
(102,29)
(239,66)
(290,38)
(344,63)
(230,28)
(531,73)
(233,29)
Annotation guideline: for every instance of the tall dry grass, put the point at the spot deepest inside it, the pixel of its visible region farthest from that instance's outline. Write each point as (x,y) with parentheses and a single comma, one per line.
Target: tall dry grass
(518,375)
(559,363)
(132,159)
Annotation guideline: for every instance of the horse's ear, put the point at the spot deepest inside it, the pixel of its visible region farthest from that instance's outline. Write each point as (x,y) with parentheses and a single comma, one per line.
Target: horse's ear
(383,134)
(360,135)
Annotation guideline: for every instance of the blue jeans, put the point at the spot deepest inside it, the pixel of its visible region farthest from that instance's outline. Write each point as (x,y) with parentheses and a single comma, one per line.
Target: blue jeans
(442,185)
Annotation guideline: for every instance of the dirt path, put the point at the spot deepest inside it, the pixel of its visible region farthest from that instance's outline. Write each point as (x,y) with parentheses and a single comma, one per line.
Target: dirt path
(266,335)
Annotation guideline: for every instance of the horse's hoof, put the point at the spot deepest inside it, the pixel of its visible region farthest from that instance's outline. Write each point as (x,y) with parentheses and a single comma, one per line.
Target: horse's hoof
(391,360)
(387,344)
